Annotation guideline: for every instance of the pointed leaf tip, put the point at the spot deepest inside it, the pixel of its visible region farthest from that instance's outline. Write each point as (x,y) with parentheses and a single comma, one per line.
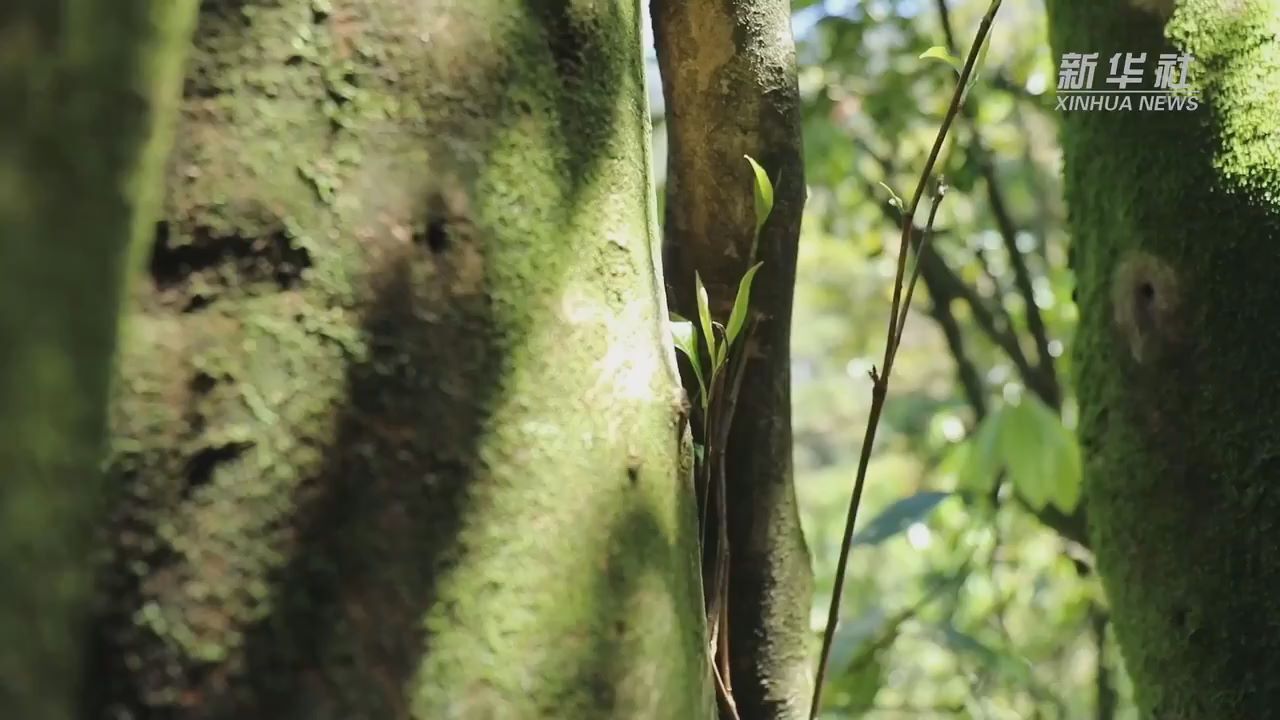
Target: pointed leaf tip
(764,193)
(898,517)
(938,52)
(704,316)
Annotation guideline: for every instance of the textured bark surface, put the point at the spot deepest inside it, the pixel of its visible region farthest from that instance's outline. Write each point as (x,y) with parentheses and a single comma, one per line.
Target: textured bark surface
(1176,218)
(87,94)
(398,433)
(729,78)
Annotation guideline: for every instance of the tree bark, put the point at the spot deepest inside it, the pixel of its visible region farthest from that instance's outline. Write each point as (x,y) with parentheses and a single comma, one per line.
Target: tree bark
(401,435)
(1176,220)
(729,79)
(88,91)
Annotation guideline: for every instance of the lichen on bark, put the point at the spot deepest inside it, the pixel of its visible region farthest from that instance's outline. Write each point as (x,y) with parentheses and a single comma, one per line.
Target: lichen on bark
(1175,217)
(398,433)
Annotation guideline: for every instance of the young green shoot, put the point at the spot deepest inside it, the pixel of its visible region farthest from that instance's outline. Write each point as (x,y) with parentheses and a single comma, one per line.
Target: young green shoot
(717,398)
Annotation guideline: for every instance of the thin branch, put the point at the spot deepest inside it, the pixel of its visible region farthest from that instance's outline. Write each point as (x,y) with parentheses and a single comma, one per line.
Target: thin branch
(998,330)
(1043,221)
(881,380)
(943,282)
(941,294)
(1046,378)
(997,79)
(1044,382)
(975,392)
(944,17)
(921,250)
(944,285)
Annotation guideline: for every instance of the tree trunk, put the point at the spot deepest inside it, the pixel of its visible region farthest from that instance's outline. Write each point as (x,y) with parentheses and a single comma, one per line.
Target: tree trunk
(401,435)
(1176,220)
(87,94)
(729,78)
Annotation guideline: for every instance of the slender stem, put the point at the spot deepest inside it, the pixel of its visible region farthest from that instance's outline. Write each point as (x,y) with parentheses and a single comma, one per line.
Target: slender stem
(881,380)
(1043,381)
(975,391)
(945,285)
(943,282)
(915,271)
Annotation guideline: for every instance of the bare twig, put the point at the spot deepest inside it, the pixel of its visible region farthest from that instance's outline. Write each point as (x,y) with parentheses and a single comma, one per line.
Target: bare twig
(943,282)
(944,285)
(921,250)
(1041,379)
(1046,385)
(975,392)
(880,383)
(1044,381)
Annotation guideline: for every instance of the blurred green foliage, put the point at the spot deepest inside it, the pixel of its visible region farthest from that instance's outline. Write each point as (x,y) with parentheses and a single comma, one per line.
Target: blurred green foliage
(961,602)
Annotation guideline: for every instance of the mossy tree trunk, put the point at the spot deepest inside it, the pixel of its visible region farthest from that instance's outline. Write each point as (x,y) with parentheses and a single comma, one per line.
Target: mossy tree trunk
(1176,218)
(88,91)
(729,79)
(400,431)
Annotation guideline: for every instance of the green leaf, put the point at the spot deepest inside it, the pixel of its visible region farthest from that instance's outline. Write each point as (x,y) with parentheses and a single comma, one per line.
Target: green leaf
(858,686)
(980,63)
(898,517)
(1026,452)
(1012,668)
(853,636)
(894,200)
(855,665)
(955,460)
(1029,441)
(683,337)
(739,314)
(681,331)
(1042,455)
(938,52)
(983,460)
(764,193)
(704,317)
(977,69)
(1064,477)
(1068,482)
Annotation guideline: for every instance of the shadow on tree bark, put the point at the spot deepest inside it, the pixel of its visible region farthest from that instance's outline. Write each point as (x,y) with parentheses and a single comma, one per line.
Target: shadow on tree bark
(306,456)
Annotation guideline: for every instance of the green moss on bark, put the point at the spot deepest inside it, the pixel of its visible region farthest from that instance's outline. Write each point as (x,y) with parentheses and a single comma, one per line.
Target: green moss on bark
(398,432)
(1175,221)
(88,92)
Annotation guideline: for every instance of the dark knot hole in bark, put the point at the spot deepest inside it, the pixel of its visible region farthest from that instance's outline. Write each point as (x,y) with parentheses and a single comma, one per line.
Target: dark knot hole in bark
(436,236)
(1145,302)
(200,467)
(203,383)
